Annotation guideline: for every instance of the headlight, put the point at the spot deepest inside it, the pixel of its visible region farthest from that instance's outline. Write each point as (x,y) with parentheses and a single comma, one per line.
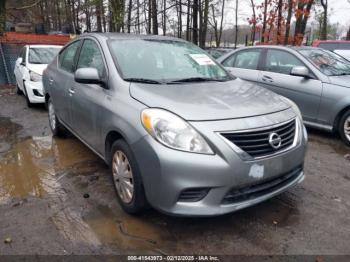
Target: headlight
(35,77)
(294,106)
(174,132)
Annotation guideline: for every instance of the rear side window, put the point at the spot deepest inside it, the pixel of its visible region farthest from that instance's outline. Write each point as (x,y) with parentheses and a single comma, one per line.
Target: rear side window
(66,57)
(281,62)
(328,46)
(90,56)
(244,59)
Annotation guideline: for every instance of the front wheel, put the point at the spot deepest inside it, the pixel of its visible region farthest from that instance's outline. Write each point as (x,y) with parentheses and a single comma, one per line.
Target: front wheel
(56,127)
(18,90)
(344,128)
(29,104)
(127,179)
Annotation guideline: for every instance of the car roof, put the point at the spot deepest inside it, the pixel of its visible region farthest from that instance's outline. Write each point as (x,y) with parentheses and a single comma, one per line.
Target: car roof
(45,46)
(124,36)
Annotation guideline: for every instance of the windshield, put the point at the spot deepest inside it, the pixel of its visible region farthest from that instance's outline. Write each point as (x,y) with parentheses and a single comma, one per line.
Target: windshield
(164,61)
(42,55)
(327,62)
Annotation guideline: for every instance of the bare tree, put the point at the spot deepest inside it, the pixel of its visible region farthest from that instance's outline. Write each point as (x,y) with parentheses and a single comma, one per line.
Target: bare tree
(264,21)
(236,24)
(195,9)
(324,4)
(254,21)
(154,17)
(289,18)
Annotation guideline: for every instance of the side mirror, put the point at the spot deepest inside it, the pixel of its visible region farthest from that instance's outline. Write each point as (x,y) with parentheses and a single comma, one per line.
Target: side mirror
(88,75)
(300,71)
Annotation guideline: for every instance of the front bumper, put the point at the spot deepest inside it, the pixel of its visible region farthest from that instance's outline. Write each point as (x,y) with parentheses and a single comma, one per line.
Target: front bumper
(35,91)
(167,173)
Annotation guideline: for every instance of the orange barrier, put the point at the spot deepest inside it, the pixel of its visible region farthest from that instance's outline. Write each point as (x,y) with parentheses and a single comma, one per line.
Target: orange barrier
(23,38)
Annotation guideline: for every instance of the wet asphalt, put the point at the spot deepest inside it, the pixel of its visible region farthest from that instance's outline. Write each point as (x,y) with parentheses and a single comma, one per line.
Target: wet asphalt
(57,197)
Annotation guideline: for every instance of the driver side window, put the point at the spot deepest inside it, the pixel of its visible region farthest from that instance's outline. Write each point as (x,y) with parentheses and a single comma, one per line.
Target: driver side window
(281,62)
(90,56)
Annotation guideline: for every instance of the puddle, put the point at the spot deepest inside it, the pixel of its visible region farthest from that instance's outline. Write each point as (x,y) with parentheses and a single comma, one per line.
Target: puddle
(116,228)
(32,167)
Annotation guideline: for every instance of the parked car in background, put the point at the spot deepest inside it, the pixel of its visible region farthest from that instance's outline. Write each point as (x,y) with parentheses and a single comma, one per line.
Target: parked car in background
(340,47)
(317,80)
(178,131)
(217,52)
(29,67)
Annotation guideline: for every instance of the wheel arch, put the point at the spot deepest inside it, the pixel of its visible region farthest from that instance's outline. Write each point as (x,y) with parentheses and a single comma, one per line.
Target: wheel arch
(339,116)
(111,137)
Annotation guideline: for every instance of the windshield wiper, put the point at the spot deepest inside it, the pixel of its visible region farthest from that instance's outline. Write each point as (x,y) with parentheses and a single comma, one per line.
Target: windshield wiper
(143,80)
(197,79)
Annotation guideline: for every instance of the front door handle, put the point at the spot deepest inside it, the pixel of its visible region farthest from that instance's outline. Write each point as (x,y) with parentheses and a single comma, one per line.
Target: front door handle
(267,79)
(71,91)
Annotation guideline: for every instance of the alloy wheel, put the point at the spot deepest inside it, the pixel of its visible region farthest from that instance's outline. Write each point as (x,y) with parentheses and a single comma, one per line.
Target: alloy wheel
(347,128)
(52,116)
(123,177)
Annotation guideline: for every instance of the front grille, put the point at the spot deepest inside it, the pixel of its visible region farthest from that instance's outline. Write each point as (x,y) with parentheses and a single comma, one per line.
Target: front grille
(256,143)
(193,194)
(255,191)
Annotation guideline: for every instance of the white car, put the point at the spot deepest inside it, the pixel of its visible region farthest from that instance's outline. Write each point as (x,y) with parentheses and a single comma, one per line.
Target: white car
(29,68)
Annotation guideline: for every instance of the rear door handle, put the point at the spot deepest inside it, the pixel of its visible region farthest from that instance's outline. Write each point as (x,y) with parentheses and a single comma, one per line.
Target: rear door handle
(267,79)
(51,81)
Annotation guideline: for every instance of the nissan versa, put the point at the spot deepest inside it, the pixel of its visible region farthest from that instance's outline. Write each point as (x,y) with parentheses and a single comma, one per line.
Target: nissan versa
(178,131)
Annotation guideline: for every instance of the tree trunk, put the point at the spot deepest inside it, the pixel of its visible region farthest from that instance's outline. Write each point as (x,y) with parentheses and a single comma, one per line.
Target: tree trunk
(164,17)
(289,18)
(129,16)
(58,10)
(205,24)
(252,38)
(264,22)
(279,22)
(180,20)
(324,4)
(149,28)
(154,17)
(236,24)
(195,22)
(98,16)
(2,16)
(188,20)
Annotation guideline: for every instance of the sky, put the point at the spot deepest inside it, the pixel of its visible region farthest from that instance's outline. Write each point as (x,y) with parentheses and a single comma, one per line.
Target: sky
(339,11)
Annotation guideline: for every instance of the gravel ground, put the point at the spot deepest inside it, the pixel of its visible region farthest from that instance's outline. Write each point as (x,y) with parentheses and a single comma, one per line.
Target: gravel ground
(57,197)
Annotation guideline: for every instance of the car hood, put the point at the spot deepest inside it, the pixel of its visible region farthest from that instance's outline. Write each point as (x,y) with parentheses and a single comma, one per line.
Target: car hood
(210,100)
(37,68)
(340,80)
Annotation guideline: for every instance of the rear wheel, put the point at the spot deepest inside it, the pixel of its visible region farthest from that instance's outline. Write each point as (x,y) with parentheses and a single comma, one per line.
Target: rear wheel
(56,127)
(127,179)
(344,128)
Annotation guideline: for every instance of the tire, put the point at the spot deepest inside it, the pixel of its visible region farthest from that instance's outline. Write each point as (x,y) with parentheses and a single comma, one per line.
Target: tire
(122,180)
(56,127)
(29,104)
(344,127)
(18,91)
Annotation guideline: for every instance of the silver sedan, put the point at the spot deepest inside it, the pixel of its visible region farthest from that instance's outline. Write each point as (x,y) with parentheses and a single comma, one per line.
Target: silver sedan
(317,80)
(178,131)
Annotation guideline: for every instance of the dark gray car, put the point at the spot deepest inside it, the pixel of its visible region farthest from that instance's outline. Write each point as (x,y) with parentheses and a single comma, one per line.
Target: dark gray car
(317,80)
(178,131)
